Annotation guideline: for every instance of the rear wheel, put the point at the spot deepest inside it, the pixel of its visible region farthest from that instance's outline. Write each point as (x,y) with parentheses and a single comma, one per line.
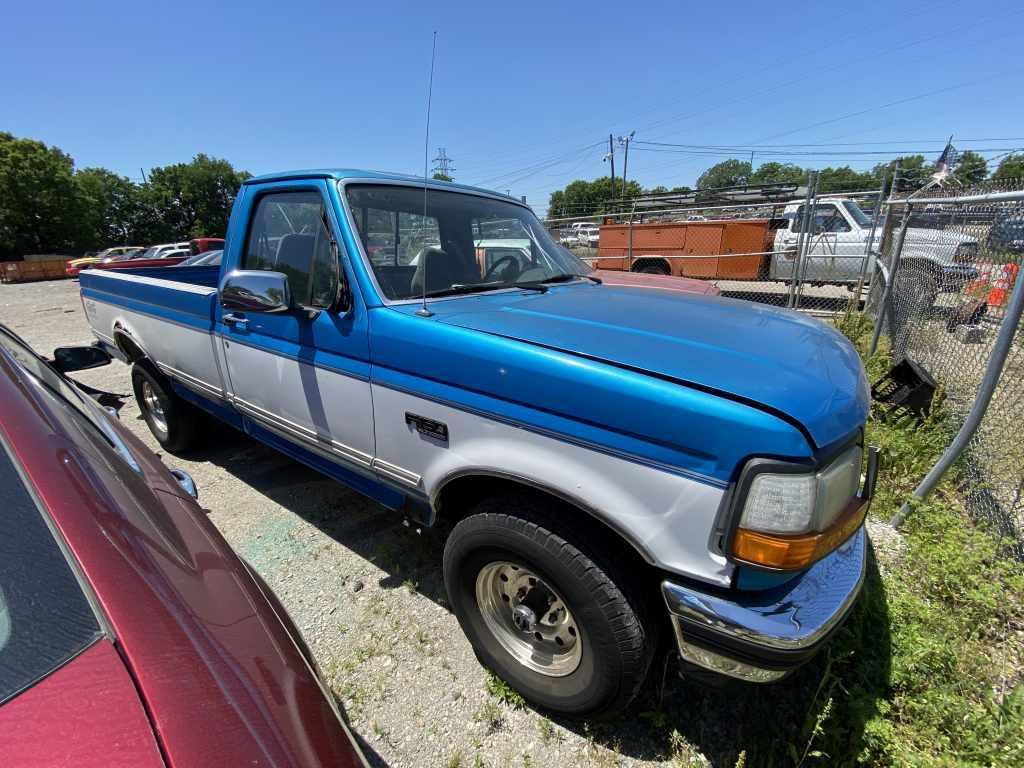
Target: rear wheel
(653,269)
(568,633)
(173,421)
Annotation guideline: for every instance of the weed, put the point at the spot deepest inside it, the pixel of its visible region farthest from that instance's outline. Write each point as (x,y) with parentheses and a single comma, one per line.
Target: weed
(504,692)
(455,761)
(410,586)
(546,731)
(491,716)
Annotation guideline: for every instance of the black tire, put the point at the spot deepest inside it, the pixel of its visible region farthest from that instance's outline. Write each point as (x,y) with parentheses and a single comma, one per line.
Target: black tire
(176,425)
(617,641)
(652,269)
(918,286)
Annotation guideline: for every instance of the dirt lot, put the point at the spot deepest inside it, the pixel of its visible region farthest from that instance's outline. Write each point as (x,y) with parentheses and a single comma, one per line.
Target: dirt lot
(367,593)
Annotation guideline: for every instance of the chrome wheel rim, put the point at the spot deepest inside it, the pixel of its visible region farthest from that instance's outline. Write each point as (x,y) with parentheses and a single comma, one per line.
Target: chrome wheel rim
(153,407)
(528,618)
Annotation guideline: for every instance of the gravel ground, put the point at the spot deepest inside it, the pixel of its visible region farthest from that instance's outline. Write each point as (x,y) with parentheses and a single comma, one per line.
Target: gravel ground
(368,594)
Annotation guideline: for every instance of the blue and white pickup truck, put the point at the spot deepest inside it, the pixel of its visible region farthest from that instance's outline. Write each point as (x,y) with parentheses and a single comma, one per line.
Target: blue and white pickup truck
(617,465)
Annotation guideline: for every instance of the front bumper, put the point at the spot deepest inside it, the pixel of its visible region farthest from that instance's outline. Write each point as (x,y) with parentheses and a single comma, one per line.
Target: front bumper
(762,636)
(956,276)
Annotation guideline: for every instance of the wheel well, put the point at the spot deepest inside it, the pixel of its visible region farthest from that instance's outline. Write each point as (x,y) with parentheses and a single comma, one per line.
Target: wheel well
(459,496)
(661,264)
(133,352)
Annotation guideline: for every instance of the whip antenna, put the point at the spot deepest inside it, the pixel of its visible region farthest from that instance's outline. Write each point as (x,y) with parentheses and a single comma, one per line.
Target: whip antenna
(423,311)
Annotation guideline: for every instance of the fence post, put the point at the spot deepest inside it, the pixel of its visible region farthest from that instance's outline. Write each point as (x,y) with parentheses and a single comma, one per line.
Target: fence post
(893,270)
(871,238)
(632,211)
(988,385)
(805,221)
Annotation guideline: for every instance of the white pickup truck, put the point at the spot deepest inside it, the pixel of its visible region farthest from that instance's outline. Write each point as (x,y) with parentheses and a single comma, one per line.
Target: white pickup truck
(840,230)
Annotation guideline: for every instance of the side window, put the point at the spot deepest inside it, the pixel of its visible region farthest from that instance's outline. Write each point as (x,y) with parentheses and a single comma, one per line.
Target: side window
(827,218)
(288,234)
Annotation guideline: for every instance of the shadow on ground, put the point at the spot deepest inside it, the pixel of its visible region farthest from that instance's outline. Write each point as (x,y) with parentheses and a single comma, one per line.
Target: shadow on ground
(774,724)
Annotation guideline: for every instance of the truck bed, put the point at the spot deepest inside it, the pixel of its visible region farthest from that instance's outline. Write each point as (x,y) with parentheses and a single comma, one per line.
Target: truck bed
(166,312)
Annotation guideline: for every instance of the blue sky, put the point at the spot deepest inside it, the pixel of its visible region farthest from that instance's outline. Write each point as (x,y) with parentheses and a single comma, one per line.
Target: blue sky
(523,91)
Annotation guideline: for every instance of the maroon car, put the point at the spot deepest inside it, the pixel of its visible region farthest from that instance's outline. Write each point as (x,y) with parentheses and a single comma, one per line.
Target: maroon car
(130,633)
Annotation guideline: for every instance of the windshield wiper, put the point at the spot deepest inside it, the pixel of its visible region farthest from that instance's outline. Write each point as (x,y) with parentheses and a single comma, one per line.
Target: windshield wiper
(457,288)
(565,278)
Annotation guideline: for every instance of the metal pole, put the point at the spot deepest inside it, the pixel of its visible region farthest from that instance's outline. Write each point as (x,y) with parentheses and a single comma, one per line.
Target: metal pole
(630,262)
(805,225)
(611,158)
(808,242)
(625,165)
(988,385)
(893,271)
(871,238)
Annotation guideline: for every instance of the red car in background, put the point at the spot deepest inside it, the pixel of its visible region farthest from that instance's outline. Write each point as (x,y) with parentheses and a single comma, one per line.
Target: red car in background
(204,244)
(130,633)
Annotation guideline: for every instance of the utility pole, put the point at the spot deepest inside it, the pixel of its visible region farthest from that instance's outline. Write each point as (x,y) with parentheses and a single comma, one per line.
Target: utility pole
(611,156)
(443,164)
(624,140)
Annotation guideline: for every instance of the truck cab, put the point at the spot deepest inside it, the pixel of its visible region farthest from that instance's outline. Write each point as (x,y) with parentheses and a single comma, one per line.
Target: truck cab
(611,461)
(838,251)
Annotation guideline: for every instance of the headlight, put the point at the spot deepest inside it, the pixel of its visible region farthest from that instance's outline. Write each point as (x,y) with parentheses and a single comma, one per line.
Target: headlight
(789,520)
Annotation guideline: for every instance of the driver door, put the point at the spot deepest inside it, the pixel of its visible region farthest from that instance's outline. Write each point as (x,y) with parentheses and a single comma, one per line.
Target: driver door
(302,374)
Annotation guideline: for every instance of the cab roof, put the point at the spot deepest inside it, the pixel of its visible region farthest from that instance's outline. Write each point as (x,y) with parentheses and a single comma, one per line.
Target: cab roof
(348,174)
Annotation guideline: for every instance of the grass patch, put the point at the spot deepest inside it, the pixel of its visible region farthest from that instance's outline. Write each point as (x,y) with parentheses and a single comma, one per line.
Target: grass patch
(947,689)
(504,692)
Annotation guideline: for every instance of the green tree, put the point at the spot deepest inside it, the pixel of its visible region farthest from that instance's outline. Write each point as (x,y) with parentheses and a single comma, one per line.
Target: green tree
(586,198)
(193,199)
(845,179)
(1010,167)
(728,173)
(39,207)
(972,169)
(111,209)
(439,176)
(778,173)
(915,172)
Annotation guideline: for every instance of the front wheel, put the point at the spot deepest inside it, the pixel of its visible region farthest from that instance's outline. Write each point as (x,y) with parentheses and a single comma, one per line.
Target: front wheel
(542,613)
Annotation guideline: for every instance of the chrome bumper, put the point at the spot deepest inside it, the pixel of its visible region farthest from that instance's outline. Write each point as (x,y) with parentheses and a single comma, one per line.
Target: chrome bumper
(762,636)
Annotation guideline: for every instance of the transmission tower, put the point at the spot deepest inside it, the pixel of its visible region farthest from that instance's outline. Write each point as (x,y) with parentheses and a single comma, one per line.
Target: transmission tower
(443,163)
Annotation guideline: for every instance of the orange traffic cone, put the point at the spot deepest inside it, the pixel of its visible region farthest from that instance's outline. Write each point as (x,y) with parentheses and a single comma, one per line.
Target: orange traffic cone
(1001,288)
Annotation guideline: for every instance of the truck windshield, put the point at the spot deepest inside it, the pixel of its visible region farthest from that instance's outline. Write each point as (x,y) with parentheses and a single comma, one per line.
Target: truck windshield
(464,244)
(862,219)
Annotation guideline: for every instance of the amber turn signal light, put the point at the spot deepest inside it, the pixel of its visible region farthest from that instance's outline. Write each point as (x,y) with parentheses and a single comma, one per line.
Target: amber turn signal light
(792,553)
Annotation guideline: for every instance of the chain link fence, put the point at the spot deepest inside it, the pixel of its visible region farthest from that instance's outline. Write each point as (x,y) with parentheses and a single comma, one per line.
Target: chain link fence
(809,250)
(952,262)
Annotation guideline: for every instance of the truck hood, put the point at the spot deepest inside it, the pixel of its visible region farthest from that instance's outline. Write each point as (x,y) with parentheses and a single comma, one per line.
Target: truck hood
(778,360)
(934,243)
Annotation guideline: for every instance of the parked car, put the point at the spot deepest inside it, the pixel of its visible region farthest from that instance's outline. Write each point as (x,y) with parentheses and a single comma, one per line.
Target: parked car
(204,259)
(130,633)
(156,251)
(75,266)
(166,257)
(588,235)
(204,244)
(1006,235)
(567,236)
(613,460)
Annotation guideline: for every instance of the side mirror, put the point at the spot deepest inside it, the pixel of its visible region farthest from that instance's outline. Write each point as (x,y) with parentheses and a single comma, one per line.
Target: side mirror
(256,291)
(67,359)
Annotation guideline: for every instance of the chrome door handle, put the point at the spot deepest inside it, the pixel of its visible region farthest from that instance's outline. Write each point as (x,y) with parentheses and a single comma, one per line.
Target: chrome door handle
(233,319)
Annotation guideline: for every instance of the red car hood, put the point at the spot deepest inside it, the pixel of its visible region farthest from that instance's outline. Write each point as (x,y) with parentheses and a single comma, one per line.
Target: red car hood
(659,282)
(86,714)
